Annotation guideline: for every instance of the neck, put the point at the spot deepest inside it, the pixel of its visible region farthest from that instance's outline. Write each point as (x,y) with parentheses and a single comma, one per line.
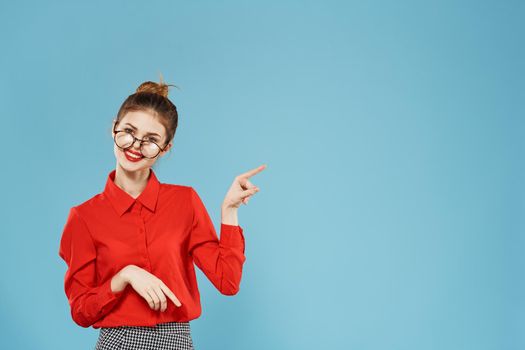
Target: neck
(132,182)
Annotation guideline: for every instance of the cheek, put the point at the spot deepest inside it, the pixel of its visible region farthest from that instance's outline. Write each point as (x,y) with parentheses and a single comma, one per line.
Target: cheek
(116,151)
(149,162)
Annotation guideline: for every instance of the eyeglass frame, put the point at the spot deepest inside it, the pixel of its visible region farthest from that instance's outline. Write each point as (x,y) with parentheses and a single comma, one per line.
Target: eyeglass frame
(141,141)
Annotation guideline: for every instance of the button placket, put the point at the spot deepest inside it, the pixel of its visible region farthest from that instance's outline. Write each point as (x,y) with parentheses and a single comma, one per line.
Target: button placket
(141,227)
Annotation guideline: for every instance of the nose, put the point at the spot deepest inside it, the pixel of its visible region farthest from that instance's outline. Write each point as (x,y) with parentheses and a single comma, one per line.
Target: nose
(134,142)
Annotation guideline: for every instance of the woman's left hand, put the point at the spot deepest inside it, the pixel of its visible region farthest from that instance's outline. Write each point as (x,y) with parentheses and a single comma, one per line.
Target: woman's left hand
(241,189)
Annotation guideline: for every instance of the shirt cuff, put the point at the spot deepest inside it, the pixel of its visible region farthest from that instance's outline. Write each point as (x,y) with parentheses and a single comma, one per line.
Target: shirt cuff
(107,296)
(232,236)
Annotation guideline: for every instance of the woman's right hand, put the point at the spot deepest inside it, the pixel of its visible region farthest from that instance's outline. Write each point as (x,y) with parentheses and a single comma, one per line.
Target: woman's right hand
(150,287)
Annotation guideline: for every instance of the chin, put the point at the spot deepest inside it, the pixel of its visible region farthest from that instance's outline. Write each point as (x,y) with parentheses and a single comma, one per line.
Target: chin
(132,167)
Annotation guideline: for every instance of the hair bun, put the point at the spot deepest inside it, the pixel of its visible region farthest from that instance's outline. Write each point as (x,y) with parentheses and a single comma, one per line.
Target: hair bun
(155,88)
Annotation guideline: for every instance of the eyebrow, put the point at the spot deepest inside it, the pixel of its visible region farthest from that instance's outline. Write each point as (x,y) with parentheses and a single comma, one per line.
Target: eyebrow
(149,133)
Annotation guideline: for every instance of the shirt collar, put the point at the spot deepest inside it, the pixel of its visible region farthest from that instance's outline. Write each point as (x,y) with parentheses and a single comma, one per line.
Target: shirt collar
(122,201)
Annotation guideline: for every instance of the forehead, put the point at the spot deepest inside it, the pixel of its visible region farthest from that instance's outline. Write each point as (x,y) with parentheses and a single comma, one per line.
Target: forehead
(143,121)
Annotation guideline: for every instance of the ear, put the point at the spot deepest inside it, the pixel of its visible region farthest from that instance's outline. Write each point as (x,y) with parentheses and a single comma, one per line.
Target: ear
(168,147)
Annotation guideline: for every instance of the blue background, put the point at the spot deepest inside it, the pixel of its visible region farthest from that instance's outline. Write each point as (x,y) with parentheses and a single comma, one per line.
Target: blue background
(391,213)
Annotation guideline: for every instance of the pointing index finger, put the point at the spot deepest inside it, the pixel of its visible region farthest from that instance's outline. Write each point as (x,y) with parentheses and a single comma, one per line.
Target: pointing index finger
(252,172)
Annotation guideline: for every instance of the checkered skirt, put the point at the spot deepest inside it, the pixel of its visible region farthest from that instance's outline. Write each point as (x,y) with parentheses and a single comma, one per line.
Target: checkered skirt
(164,336)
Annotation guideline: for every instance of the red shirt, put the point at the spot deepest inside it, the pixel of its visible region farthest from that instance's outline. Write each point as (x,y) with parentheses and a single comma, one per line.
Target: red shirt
(164,231)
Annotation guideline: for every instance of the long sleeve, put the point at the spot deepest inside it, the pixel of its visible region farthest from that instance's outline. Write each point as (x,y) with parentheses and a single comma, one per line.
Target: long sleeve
(88,301)
(220,260)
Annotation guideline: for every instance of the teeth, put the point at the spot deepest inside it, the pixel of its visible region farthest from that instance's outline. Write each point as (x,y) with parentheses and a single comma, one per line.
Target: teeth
(133,155)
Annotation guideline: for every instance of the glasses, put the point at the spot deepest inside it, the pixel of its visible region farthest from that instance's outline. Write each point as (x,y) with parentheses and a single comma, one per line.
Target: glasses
(125,139)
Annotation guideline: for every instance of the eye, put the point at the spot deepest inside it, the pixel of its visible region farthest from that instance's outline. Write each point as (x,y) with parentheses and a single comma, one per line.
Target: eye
(150,139)
(128,130)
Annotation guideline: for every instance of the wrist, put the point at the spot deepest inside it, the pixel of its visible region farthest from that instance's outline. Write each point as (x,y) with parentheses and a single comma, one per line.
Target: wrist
(229,216)
(226,209)
(125,274)
(118,282)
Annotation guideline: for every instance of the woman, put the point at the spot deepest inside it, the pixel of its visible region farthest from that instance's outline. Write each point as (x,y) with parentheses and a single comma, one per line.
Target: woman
(131,249)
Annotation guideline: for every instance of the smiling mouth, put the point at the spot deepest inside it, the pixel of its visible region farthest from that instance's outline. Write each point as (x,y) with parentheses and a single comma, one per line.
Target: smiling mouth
(132,156)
